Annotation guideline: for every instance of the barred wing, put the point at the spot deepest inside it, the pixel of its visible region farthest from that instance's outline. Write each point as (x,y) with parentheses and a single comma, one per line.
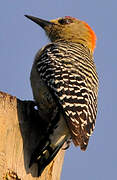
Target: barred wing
(69,72)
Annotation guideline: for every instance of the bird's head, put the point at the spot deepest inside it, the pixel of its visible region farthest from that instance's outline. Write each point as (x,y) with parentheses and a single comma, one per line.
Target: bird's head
(67,29)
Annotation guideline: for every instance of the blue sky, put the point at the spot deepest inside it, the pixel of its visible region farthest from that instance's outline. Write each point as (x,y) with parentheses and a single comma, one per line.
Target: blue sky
(19,41)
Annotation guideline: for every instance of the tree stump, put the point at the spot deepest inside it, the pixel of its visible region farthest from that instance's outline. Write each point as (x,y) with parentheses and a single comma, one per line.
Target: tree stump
(19,135)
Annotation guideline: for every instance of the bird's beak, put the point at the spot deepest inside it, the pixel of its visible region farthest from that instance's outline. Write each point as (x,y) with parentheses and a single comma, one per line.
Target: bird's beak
(40,22)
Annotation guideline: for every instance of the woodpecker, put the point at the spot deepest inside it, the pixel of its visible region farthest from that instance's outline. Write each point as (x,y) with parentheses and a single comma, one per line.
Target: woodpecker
(64,82)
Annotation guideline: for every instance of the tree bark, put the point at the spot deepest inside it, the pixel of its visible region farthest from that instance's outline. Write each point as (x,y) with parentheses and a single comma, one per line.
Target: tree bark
(19,135)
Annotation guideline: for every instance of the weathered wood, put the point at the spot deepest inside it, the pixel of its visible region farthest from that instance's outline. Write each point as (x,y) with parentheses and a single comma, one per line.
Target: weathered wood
(19,134)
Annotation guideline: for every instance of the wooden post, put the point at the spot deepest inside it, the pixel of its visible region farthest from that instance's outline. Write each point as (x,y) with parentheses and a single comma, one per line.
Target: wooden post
(19,133)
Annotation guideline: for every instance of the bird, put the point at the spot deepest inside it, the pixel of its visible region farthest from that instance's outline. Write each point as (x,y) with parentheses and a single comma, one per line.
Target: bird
(64,82)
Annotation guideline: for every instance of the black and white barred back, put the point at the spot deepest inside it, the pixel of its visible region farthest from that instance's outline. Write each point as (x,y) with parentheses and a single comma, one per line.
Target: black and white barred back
(69,71)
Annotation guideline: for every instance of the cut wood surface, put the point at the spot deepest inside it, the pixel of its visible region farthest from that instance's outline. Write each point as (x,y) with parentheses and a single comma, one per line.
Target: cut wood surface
(19,135)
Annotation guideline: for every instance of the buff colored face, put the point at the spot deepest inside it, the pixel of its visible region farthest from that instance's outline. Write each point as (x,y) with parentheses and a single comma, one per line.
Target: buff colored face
(73,30)
(68,29)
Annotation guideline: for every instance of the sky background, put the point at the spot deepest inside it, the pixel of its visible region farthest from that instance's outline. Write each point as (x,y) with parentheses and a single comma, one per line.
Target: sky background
(20,39)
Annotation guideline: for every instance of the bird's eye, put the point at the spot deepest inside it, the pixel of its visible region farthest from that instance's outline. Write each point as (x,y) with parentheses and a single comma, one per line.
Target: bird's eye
(65,21)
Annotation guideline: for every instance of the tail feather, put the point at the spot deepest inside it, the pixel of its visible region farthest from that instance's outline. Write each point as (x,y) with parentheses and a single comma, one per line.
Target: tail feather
(44,155)
(49,146)
(46,161)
